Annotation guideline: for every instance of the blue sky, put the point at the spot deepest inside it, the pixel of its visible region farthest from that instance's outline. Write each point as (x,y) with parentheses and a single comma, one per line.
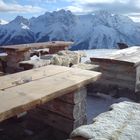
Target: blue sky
(9,9)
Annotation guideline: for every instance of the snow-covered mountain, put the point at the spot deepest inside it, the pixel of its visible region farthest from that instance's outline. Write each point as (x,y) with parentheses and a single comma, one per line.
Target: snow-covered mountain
(99,30)
(2,22)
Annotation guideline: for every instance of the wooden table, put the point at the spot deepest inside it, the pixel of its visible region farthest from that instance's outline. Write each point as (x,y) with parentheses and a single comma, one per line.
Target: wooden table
(129,56)
(121,68)
(22,52)
(52,46)
(26,90)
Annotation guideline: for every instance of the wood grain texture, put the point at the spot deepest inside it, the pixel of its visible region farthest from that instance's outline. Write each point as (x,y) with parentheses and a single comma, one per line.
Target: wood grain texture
(120,83)
(121,68)
(130,77)
(30,75)
(129,56)
(26,47)
(28,95)
(116,67)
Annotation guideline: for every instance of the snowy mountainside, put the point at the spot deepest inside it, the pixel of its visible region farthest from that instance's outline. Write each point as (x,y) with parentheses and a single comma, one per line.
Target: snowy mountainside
(99,30)
(3,22)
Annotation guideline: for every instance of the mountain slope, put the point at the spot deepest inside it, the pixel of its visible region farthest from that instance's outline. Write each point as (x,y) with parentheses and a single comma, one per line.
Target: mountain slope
(3,22)
(100,30)
(16,32)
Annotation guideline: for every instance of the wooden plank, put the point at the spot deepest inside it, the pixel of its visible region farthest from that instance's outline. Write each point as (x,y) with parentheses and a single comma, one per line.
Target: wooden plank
(23,97)
(128,52)
(26,47)
(108,60)
(30,75)
(117,68)
(129,56)
(118,82)
(125,52)
(119,75)
(135,59)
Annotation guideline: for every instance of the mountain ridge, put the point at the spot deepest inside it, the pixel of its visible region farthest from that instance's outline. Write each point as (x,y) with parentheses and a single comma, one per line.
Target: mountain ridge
(99,30)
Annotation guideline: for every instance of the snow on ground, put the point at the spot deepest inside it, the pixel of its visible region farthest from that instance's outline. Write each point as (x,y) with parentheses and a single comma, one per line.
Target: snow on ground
(3,54)
(97,53)
(3,22)
(35,57)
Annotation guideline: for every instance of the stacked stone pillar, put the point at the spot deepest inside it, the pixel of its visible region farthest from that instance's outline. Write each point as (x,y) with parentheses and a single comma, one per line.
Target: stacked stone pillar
(64,113)
(13,59)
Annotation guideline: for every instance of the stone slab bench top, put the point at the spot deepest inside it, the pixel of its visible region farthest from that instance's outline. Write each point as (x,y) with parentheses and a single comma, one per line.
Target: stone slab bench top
(122,122)
(128,56)
(25,90)
(25,47)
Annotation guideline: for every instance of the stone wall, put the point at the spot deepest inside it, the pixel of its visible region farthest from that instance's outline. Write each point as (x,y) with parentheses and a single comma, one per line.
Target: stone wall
(62,58)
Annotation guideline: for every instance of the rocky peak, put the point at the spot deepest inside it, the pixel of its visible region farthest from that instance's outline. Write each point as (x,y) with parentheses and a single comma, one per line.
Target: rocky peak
(20,20)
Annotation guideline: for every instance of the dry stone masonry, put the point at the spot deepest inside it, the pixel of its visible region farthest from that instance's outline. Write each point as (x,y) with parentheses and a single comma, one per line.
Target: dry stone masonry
(62,58)
(64,113)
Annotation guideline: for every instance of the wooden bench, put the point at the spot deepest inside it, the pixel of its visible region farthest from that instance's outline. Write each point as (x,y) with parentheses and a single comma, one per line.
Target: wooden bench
(34,88)
(121,68)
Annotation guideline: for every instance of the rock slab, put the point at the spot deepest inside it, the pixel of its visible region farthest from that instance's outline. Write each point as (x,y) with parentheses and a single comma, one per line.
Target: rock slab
(122,122)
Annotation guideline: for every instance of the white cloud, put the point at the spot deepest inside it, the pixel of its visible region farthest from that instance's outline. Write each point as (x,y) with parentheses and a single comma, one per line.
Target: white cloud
(135,17)
(98,1)
(78,9)
(15,7)
(126,7)
(91,1)
(115,6)
(75,9)
(43,1)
